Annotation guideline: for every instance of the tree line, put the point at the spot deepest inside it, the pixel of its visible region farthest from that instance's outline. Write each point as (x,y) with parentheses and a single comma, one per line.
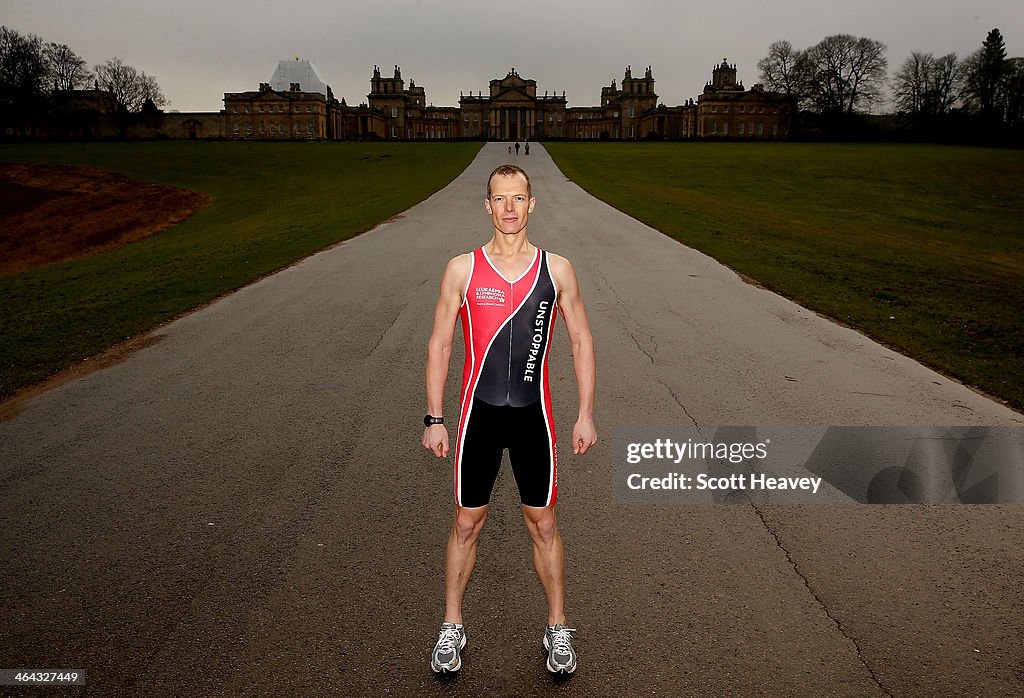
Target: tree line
(842,77)
(33,70)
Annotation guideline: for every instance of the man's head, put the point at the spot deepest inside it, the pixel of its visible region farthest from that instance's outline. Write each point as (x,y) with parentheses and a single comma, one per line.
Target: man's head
(509,171)
(509,199)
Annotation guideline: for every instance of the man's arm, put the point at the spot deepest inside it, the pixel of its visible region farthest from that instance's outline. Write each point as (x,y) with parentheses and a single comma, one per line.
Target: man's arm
(439,348)
(584,434)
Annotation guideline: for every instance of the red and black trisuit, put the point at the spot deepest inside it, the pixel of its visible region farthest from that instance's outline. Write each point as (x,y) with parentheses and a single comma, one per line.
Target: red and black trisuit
(505,398)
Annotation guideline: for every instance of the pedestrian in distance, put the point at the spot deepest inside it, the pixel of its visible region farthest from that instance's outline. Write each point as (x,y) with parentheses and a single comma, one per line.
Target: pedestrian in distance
(508,293)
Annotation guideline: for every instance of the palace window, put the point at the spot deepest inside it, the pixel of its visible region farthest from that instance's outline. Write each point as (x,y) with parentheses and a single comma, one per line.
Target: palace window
(750,128)
(726,110)
(760,110)
(725,129)
(246,108)
(261,107)
(714,108)
(394,112)
(631,112)
(714,128)
(394,132)
(308,109)
(775,129)
(262,128)
(760,129)
(741,128)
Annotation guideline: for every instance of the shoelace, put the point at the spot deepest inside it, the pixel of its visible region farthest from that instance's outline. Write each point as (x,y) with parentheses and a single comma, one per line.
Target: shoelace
(560,640)
(449,637)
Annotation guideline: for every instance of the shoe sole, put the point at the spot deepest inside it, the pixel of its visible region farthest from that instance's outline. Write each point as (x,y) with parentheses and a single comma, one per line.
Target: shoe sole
(551,669)
(449,670)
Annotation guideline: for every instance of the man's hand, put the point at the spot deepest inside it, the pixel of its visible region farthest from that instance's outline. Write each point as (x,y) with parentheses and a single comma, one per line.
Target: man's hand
(584,435)
(435,440)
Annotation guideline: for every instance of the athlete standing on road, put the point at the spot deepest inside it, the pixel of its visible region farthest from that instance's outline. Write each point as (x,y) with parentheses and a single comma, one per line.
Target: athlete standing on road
(507,293)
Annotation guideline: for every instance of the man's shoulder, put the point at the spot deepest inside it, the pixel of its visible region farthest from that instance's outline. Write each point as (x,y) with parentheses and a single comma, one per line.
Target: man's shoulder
(460,261)
(458,268)
(558,264)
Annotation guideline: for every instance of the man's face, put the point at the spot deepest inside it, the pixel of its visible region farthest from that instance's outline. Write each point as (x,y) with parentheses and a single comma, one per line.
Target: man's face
(510,204)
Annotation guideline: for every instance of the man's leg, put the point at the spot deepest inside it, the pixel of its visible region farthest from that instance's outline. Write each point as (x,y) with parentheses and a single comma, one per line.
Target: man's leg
(460,558)
(548,558)
(458,566)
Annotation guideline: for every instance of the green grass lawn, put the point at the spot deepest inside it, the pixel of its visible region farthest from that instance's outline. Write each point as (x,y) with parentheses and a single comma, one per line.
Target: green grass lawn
(920,247)
(271,204)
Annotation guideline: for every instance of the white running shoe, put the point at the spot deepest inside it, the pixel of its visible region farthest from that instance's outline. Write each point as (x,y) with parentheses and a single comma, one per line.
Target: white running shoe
(450,642)
(561,655)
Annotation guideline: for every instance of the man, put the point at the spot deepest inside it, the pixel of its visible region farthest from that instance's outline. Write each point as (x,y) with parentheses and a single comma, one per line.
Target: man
(507,293)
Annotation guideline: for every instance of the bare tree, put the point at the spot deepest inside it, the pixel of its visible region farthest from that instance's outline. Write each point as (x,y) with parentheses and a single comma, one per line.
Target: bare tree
(910,83)
(845,73)
(947,85)
(130,87)
(1014,92)
(122,81)
(150,91)
(67,70)
(926,86)
(22,65)
(784,69)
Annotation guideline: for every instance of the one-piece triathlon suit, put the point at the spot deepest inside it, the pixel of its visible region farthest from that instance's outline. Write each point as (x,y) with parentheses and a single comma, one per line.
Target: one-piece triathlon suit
(505,398)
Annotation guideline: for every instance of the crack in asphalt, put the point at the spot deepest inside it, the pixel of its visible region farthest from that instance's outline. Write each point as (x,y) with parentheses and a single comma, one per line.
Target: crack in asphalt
(394,319)
(807,585)
(792,562)
(680,403)
(638,346)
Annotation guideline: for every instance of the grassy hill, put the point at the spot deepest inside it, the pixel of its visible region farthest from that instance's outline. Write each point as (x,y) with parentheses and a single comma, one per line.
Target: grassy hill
(271,204)
(920,247)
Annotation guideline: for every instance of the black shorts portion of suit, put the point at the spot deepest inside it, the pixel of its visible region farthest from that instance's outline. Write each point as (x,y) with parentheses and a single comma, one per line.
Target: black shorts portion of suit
(522,430)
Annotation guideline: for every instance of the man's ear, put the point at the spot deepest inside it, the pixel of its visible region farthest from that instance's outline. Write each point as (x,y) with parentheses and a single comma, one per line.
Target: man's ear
(487,205)
(533,202)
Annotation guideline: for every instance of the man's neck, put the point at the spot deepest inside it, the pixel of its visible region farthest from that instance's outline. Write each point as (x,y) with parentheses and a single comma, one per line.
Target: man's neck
(502,245)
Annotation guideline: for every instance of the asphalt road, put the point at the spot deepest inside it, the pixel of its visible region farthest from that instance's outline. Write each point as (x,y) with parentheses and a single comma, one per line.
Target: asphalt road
(243,507)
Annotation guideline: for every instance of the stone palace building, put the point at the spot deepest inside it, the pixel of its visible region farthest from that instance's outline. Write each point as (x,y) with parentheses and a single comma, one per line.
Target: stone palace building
(297,104)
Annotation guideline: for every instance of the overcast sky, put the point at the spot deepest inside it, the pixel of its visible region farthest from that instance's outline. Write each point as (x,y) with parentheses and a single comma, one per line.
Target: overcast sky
(199,50)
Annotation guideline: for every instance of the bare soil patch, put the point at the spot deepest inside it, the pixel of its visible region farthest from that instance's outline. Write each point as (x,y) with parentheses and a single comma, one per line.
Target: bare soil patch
(52,213)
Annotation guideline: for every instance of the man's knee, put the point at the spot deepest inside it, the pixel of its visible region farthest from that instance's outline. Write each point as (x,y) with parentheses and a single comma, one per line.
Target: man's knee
(541,523)
(469,522)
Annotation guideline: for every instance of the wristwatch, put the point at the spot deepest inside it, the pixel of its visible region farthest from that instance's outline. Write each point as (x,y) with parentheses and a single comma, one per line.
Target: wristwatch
(428,420)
